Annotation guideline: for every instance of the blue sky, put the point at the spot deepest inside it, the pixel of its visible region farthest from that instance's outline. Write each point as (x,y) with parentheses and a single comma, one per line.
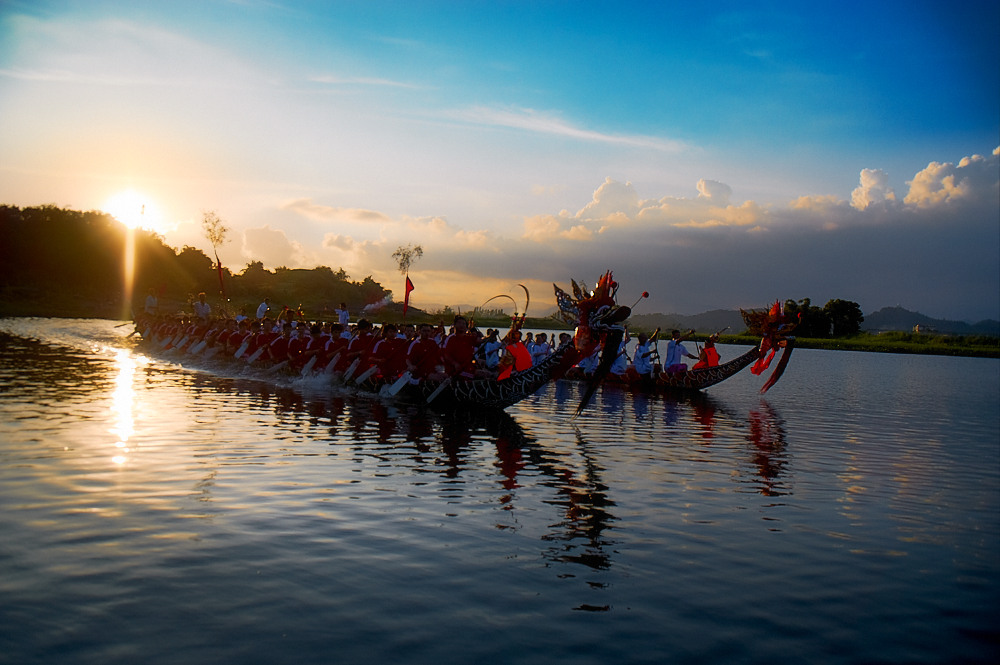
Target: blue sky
(716,155)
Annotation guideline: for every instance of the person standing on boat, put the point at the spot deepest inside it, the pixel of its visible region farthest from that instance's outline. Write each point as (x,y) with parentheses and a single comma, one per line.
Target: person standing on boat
(343,316)
(152,306)
(676,352)
(262,308)
(202,310)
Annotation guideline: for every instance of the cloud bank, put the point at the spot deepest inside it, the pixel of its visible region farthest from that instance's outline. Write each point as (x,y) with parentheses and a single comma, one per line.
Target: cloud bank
(935,248)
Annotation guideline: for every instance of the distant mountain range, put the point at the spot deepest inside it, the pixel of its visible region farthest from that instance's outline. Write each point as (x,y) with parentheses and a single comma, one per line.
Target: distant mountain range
(885,319)
(898,318)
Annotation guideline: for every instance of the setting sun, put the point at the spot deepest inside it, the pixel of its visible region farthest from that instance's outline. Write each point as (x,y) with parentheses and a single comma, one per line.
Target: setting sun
(135,210)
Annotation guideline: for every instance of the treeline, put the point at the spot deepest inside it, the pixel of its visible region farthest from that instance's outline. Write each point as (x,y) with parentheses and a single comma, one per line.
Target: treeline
(57,262)
(837,318)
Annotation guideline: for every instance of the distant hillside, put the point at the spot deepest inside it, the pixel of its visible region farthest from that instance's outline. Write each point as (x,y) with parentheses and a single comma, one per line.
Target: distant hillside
(707,322)
(898,318)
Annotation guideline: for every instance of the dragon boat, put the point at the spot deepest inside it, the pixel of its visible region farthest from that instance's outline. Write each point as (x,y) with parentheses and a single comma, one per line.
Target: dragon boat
(599,320)
(599,325)
(771,325)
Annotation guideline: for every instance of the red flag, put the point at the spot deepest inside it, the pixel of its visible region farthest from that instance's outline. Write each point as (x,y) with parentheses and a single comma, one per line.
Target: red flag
(218,266)
(406,298)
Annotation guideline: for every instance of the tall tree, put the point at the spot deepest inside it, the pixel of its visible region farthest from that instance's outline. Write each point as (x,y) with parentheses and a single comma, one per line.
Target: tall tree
(845,316)
(215,232)
(406,255)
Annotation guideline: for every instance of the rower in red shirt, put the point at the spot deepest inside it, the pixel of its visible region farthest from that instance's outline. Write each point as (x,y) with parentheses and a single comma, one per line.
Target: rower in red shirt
(423,355)
(459,350)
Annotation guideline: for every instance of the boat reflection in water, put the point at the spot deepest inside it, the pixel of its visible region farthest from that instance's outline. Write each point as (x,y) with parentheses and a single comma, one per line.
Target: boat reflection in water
(449,445)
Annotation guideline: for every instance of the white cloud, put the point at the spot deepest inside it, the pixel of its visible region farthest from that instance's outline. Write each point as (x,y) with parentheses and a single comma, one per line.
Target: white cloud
(610,198)
(322,213)
(549,123)
(942,182)
(718,192)
(874,188)
(273,248)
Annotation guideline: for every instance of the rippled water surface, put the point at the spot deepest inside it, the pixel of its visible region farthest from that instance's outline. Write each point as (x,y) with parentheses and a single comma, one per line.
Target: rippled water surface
(160,514)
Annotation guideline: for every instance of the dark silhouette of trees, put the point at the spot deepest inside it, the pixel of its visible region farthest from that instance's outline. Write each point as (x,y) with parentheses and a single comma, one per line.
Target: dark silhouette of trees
(60,262)
(839,318)
(845,317)
(812,320)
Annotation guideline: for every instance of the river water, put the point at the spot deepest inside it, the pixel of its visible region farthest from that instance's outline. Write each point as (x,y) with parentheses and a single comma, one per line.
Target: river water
(159,514)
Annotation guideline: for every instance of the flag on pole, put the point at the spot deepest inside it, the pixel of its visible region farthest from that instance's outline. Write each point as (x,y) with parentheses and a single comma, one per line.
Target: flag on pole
(406,298)
(218,266)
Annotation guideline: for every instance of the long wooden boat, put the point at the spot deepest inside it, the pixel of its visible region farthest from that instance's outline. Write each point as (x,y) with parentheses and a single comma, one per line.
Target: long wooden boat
(599,320)
(691,379)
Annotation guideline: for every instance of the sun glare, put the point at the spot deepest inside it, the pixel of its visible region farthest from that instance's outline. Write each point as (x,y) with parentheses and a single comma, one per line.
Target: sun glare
(135,210)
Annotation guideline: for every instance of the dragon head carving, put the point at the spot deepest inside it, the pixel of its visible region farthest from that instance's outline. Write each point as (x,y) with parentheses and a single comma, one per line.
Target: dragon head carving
(773,326)
(599,320)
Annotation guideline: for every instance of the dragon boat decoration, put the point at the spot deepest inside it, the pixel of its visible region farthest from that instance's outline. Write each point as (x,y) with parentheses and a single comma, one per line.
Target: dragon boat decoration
(599,321)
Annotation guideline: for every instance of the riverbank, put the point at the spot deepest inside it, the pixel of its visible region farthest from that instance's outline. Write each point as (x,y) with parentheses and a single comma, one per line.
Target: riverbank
(897,342)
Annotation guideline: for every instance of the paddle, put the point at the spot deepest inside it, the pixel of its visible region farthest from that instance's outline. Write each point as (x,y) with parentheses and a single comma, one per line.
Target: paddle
(333,363)
(255,355)
(365,374)
(274,369)
(243,347)
(437,391)
(393,390)
(351,369)
(308,366)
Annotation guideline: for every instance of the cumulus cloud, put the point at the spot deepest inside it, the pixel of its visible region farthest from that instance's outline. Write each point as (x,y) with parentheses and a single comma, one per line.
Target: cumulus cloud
(273,247)
(719,193)
(936,250)
(610,198)
(940,183)
(874,188)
